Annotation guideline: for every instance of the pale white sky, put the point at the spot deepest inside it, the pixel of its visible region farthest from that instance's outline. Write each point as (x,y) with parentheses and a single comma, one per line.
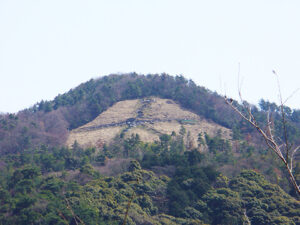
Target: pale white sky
(50,46)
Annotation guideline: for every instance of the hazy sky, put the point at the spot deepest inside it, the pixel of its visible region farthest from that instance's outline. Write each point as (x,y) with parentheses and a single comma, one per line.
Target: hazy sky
(50,46)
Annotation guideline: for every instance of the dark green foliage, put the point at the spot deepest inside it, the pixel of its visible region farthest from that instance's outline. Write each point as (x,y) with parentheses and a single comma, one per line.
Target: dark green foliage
(189,183)
(223,207)
(217,144)
(131,146)
(220,149)
(263,201)
(195,193)
(295,117)
(52,184)
(170,150)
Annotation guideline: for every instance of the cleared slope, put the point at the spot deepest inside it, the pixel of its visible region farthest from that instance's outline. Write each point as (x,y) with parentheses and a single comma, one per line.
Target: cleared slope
(149,118)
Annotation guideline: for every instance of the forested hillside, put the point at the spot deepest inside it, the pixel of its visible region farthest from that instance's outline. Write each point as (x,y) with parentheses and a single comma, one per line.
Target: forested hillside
(221,180)
(49,121)
(77,186)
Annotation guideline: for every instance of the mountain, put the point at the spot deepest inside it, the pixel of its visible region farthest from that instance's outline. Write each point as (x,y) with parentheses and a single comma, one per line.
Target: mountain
(154,149)
(49,122)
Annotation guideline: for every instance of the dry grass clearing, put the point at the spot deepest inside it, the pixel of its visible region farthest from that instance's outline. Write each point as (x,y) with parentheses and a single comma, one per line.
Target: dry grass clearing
(145,134)
(119,112)
(163,115)
(94,138)
(167,109)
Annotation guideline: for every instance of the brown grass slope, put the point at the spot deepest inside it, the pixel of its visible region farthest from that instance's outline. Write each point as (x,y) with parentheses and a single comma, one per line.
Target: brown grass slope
(149,118)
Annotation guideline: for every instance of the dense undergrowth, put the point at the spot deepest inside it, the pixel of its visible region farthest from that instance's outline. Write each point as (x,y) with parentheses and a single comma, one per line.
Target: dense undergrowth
(169,185)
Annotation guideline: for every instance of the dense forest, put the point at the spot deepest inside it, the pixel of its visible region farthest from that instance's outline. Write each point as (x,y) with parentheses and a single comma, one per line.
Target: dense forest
(234,181)
(168,186)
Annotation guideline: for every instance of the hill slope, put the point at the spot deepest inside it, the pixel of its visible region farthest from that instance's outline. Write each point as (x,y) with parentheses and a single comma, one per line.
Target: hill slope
(149,118)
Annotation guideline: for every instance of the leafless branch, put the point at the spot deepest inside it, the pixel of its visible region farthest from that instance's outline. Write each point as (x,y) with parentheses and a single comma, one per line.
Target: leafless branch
(291,95)
(63,217)
(287,147)
(268,135)
(292,156)
(75,217)
(129,204)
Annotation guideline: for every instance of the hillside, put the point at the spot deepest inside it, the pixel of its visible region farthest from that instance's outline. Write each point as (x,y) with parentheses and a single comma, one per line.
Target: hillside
(49,122)
(149,118)
(171,151)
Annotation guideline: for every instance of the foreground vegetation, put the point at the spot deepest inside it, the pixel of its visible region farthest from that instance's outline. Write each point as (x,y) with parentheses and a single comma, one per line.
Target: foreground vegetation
(219,181)
(66,186)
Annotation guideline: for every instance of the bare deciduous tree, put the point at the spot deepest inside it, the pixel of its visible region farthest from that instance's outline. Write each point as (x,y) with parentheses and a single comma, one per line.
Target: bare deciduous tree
(282,148)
